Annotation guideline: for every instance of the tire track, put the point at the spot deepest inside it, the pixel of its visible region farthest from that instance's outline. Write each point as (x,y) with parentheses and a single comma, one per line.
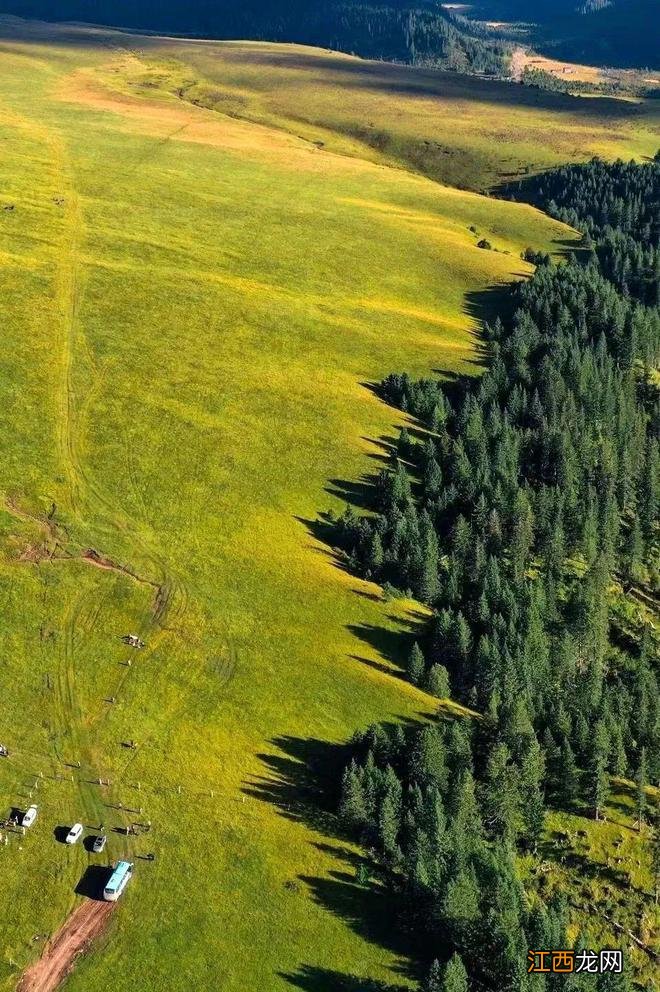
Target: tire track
(82,927)
(90,508)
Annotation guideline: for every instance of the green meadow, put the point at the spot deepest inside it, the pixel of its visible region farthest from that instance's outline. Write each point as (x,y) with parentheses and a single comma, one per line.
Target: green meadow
(195,303)
(467,132)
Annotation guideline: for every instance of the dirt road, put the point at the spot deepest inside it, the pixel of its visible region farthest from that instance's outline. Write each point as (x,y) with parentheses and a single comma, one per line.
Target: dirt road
(85,924)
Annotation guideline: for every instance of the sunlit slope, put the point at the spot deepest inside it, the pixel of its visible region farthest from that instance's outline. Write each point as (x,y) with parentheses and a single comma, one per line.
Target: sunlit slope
(192,308)
(468,132)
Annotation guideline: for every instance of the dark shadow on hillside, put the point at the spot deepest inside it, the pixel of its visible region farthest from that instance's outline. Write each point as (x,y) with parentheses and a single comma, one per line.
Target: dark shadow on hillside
(69,35)
(403,80)
(358,493)
(378,666)
(303,780)
(393,645)
(303,783)
(484,305)
(369,910)
(312,979)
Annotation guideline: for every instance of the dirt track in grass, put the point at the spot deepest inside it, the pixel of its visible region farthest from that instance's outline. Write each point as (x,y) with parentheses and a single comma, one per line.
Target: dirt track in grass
(84,925)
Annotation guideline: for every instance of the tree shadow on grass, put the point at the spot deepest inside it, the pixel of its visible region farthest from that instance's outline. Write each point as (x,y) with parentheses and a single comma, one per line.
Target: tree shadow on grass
(303,782)
(313,979)
(360,494)
(484,305)
(369,910)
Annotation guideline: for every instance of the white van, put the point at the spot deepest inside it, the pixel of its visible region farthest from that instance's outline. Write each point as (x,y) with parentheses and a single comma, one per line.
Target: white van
(29,816)
(74,834)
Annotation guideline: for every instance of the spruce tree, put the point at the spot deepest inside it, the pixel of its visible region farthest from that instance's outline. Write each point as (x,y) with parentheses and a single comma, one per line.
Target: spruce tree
(433,981)
(568,776)
(374,556)
(437,682)
(597,783)
(455,977)
(416,665)
(640,789)
(388,830)
(352,808)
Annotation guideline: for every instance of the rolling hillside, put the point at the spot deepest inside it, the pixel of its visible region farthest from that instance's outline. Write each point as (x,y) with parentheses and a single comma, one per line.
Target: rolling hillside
(418,32)
(195,303)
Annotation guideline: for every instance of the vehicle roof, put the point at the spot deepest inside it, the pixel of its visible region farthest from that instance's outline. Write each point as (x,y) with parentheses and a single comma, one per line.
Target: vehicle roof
(121,869)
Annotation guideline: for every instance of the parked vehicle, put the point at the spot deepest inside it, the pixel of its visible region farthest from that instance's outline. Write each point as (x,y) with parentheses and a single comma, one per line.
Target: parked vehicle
(29,816)
(74,834)
(118,881)
(99,843)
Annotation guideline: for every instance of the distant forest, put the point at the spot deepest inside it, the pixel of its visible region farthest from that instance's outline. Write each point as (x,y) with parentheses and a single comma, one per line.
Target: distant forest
(417,32)
(523,509)
(621,33)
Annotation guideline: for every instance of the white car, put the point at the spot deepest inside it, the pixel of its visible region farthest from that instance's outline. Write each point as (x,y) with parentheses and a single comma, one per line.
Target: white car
(74,834)
(29,816)
(99,843)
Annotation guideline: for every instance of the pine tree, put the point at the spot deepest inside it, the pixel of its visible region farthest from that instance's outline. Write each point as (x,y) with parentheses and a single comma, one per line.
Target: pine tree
(568,774)
(465,813)
(353,807)
(597,781)
(428,585)
(533,812)
(374,557)
(455,977)
(532,775)
(437,683)
(633,552)
(640,789)
(433,981)
(460,905)
(428,762)
(416,665)
(500,792)
(388,830)
(522,534)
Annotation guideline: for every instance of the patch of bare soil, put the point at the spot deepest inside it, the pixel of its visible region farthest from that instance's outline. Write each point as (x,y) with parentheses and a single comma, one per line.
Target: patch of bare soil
(53,548)
(571,71)
(74,938)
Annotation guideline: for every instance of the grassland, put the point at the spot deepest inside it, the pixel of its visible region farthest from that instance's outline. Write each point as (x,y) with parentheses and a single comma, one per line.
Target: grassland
(193,304)
(470,133)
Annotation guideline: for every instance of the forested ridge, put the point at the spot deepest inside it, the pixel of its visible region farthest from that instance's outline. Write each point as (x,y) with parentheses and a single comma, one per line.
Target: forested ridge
(600,32)
(413,31)
(524,512)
